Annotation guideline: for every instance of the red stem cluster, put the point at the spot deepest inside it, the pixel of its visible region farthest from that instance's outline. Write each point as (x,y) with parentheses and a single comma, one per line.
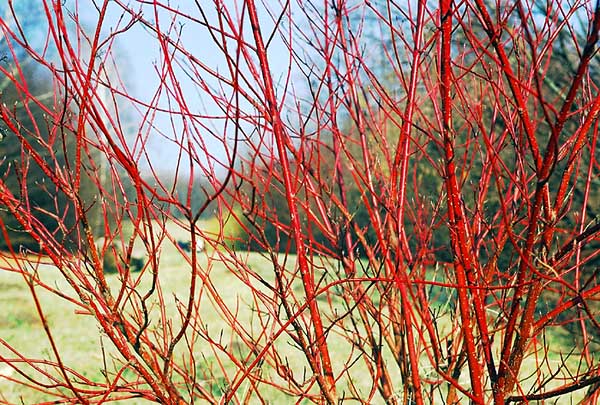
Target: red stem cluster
(383,201)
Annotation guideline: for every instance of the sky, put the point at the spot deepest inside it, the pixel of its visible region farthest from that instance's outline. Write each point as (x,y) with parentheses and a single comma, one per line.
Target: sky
(139,51)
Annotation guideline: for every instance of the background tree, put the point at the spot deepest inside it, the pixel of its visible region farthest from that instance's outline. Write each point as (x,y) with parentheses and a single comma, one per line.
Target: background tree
(32,98)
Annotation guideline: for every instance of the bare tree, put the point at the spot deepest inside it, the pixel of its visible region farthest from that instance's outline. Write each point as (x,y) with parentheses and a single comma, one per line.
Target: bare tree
(420,181)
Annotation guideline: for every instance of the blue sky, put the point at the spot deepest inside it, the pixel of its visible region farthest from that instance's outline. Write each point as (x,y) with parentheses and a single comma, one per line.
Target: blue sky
(140,55)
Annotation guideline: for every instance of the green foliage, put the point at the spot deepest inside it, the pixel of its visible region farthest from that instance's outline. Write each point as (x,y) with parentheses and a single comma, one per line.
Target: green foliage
(136,264)
(268,227)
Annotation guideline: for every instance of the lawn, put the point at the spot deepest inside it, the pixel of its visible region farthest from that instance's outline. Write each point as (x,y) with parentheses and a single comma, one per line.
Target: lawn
(83,346)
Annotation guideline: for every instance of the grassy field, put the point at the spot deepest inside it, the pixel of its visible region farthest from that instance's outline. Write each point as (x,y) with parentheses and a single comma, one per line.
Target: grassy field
(81,343)
(79,337)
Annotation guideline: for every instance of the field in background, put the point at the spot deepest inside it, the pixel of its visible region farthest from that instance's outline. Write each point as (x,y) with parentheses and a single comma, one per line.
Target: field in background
(79,336)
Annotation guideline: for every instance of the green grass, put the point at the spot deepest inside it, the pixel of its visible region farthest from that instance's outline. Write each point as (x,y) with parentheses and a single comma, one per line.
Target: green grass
(79,338)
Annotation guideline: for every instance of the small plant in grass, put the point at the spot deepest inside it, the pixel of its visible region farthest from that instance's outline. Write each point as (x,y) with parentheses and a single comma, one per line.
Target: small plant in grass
(111,261)
(114,260)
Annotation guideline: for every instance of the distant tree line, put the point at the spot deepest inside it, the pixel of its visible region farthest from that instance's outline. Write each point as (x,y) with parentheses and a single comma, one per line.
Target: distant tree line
(37,135)
(267,227)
